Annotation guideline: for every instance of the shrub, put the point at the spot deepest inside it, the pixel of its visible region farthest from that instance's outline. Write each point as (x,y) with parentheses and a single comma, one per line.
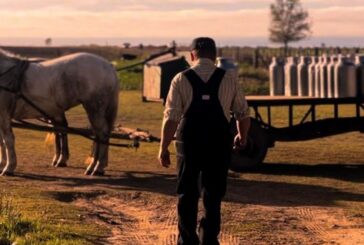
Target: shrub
(12,224)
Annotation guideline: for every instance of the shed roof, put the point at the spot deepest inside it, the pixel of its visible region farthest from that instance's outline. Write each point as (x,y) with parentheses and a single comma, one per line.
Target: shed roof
(187,55)
(163,59)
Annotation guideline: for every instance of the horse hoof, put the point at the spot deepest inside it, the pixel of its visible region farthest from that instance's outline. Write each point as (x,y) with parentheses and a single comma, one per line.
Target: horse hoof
(4,173)
(98,173)
(61,165)
(88,172)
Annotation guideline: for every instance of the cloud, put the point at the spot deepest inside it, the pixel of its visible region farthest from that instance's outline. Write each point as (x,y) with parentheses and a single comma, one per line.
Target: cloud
(106,5)
(155,5)
(118,5)
(148,18)
(145,23)
(338,21)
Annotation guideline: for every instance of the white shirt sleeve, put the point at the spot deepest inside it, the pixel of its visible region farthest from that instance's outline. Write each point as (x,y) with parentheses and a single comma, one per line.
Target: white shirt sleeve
(174,106)
(239,105)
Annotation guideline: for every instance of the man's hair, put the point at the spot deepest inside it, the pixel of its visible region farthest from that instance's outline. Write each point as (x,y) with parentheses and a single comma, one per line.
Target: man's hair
(204,47)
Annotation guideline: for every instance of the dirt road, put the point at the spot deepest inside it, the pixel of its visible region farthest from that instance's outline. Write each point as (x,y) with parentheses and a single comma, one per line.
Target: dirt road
(136,219)
(261,207)
(139,208)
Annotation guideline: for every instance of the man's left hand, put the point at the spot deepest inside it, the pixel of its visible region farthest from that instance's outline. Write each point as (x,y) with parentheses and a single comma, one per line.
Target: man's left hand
(164,158)
(239,142)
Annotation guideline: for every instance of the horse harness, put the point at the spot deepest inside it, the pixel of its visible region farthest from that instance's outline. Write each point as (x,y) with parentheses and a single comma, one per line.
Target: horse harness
(15,87)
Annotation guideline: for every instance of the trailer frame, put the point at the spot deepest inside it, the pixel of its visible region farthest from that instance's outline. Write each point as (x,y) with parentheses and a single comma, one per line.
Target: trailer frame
(263,134)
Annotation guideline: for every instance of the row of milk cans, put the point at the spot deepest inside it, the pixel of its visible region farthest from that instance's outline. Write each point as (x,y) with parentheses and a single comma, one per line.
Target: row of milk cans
(323,77)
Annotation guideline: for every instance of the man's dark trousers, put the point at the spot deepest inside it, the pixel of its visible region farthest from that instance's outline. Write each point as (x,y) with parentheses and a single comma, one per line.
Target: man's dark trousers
(203,149)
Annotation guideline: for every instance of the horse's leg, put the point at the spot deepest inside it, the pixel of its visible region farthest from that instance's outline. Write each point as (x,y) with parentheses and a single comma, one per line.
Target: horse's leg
(9,141)
(100,146)
(101,111)
(2,153)
(103,155)
(62,161)
(102,120)
(91,159)
(61,152)
(57,150)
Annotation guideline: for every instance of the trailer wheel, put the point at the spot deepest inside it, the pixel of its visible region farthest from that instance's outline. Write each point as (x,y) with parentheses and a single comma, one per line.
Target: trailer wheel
(255,152)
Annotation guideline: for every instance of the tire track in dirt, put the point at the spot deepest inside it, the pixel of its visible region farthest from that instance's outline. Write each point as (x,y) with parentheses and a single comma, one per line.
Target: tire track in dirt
(133,221)
(306,213)
(170,229)
(141,218)
(331,226)
(313,223)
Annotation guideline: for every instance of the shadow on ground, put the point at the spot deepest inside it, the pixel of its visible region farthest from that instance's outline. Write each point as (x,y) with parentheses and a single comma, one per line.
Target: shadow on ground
(346,172)
(240,190)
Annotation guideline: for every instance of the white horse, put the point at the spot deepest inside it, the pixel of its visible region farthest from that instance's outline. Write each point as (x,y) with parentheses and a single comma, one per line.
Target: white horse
(55,86)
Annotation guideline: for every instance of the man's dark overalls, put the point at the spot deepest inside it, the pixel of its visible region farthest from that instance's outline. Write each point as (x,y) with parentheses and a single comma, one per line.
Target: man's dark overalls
(204,144)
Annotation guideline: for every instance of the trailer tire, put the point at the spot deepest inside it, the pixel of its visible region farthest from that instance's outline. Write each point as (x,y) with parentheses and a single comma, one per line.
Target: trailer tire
(254,153)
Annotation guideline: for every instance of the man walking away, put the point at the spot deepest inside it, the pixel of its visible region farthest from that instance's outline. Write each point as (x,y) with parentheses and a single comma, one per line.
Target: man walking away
(198,107)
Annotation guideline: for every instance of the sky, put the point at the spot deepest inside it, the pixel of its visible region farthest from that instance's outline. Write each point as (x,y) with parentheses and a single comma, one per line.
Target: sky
(166,19)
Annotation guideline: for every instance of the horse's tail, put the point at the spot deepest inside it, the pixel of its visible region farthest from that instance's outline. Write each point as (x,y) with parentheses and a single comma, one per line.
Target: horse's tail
(112,108)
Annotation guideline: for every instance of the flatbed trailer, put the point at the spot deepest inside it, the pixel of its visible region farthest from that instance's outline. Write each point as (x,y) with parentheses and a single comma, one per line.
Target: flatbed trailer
(263,134)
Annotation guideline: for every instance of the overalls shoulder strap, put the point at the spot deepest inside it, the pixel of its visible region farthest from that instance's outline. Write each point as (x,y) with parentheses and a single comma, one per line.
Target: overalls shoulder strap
(200,87)
(195,81)
(215,80)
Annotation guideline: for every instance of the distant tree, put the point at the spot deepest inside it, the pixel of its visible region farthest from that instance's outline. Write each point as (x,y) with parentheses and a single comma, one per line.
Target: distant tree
(126,45)
(48,41)
(173,44)
(289,22)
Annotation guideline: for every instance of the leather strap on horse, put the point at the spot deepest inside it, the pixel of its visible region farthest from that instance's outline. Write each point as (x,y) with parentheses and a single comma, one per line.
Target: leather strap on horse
(16,86)
(7,71)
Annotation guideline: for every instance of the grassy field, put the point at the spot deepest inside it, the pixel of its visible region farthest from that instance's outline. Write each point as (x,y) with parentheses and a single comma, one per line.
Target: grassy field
(130,79)
(263,206)
(253,81)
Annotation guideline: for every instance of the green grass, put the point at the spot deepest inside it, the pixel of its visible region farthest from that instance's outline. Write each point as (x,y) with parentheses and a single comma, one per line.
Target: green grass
(130,79)
(253,86)
(32,217)
(248,71)
(253,81)
(12,225)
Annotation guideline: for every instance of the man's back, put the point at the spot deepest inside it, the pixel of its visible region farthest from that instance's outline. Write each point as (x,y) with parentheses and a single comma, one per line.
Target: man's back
(180,95)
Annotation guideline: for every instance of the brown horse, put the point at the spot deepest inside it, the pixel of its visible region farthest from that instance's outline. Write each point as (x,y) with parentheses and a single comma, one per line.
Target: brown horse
(55,86)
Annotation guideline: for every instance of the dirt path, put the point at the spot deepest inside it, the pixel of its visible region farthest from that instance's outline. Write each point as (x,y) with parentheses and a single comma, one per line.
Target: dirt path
(137,221)
(139,218)
(140,208)
(332,226)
